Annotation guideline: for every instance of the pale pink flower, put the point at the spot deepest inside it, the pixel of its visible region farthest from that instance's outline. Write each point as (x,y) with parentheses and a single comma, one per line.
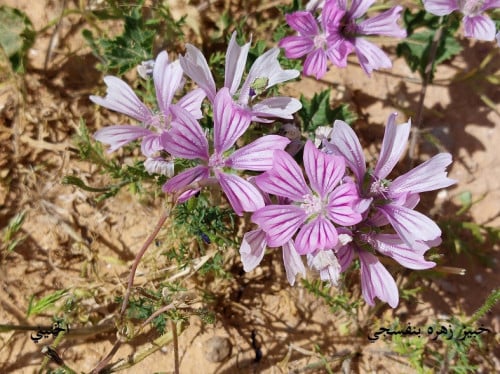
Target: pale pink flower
(314,39)
(348,34)
(477,24)
(313,210)
(253,248)
(266,70)
(187,140)
(340,33)
(376,281)
(154,124)
(393,201)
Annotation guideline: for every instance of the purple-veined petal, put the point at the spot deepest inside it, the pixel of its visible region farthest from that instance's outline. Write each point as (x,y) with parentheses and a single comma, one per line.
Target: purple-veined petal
(391,245)
(186,138)
(359,7)
(284,179)
(303,22)
(293,262)
(185,178)
(158,165)
(440,7)
(323,170)
(488,4)
(230,121)
(151,144)
(338,51)
(315,63)
(393,145)
(236,58)
(385,23)
(376,281)
(242,195)
(119,135)
(121,98)
(314,5)
(331,15)
(344,142)
(191,102)
(167,79)
(410,224)
(429,176)
(252,249)
(362,205)
(280,222)
(279,106)
(342,203)
(195,66)
(258,155)
(266,66)
(318,234)
(345,255)
(296,46)
(186,195)
(480,27)
(326,263)
(370,56)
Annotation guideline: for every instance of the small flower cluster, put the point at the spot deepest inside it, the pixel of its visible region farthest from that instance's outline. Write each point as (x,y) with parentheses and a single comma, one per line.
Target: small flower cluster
(339,216)
(477,24)
(337,32)
(338,209)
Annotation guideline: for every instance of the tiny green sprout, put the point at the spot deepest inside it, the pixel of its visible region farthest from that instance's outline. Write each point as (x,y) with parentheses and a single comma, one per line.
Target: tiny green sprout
(258,86)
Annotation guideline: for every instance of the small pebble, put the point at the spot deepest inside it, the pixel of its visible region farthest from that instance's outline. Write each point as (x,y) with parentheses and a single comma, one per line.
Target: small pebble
(217,349)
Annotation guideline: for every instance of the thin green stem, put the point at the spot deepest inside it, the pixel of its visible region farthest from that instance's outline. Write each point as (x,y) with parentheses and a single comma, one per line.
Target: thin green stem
(176,347)
(436,40)
(138,258)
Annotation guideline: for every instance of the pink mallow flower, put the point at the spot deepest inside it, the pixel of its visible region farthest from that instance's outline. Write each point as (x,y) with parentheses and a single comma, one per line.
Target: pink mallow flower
(154,125)
(187,140)
(348,34)
(392,201)
(253,248)
(340,34)
(314,40)
(312,210)
(376,281)
(476,24)
(264,73)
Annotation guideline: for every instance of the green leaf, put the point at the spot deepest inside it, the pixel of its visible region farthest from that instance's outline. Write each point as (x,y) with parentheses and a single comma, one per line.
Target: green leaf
(417,45)
(37,307)
(16,35)
(129,49)
(416,48)
(318,112)
(466,201)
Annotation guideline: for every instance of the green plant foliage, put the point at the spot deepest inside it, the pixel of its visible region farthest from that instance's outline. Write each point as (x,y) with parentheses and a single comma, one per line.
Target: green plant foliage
(47,302)
(462,235)
(202,220)
(339,301)
(318,112)
(16,36)
(127,175)
(136,43)
(417,46)
(11,234)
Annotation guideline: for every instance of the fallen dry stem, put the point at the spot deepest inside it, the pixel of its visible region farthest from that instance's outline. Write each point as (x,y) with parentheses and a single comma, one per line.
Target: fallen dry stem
(150,349)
